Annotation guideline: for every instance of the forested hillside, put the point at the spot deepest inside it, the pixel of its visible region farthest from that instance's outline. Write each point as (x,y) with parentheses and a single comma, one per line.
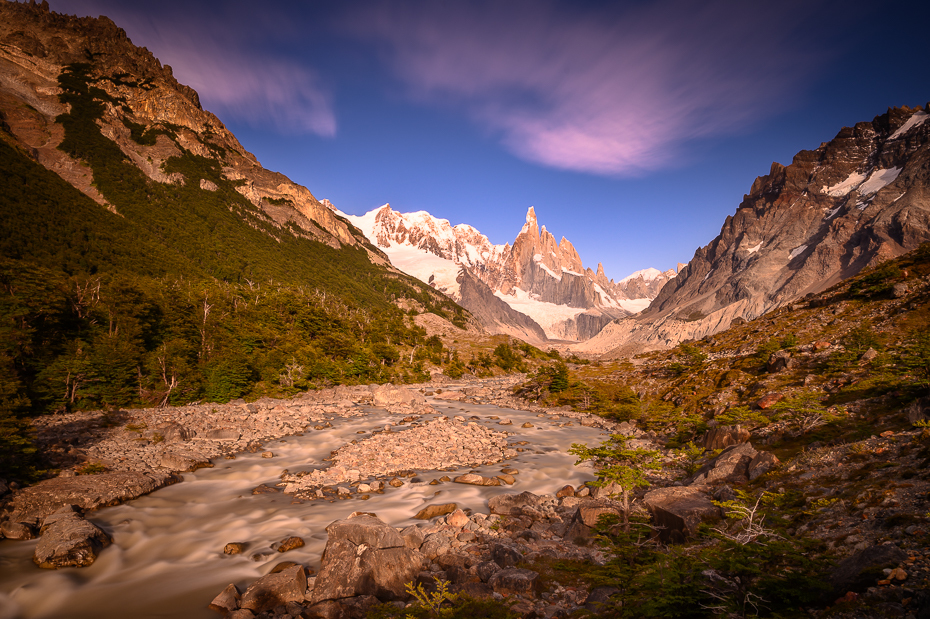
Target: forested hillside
(179,291)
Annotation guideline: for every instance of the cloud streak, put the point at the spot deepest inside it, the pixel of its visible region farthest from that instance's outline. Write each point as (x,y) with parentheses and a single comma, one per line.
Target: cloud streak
(221,55)
(603,91)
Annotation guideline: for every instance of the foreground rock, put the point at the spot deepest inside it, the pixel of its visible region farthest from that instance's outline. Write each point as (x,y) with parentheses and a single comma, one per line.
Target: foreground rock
(274,589)
(731,466)
(365,556)
(679,510)
(69,541)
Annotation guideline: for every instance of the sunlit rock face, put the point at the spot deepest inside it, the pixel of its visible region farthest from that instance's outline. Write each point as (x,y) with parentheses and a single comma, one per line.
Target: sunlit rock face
(852,203)
(146,106)
(535,276)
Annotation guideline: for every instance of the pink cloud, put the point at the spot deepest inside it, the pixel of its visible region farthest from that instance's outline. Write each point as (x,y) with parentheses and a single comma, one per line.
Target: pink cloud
(218,53)
(599,90)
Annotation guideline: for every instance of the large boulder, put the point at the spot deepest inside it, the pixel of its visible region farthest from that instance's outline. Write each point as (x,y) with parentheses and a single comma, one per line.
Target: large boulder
(365,556)
(862,569)
(581,527)
(274,589)
(431,511)
(731,466)
(387,395)
(779,361)
(33,504)
(475,479)
(725,436)
(69,541)
(762,463)
(919,410)
(679,510)
(515,581)
(513,504)
(174,432)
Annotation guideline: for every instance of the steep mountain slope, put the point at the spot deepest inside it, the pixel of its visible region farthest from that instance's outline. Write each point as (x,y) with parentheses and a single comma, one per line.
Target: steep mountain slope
(535,276)
(860,199)
(147,258)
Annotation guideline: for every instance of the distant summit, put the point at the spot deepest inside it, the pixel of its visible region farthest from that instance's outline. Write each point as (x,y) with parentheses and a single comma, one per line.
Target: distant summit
(535,276)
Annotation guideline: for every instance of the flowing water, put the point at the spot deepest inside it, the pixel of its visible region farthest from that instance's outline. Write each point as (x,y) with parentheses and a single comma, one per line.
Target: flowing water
(167,555)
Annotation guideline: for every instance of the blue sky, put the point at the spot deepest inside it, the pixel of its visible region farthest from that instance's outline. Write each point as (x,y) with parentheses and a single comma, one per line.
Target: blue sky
(633,128)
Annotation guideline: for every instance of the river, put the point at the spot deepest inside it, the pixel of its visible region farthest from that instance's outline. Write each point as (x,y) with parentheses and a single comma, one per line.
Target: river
(167,555)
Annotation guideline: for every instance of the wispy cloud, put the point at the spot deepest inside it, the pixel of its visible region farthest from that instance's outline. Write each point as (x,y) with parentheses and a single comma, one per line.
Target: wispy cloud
(221,54)
(603,90)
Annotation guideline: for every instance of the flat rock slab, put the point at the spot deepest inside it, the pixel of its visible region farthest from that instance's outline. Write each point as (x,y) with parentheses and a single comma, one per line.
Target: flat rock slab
(679,511)
(431,511)
(477,480)
(31,505)
(69,541)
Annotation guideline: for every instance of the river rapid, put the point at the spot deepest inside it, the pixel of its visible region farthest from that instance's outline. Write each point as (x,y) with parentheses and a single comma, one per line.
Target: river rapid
(167,555)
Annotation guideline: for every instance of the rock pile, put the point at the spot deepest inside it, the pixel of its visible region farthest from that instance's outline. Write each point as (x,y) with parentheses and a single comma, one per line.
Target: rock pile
(440,444)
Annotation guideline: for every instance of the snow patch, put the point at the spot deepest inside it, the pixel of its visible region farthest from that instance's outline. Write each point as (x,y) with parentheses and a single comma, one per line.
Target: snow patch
(547,315)
(916,120)
(548,270)
(833,213)
(842,188)
(634,306)
(648,275)
(570,272)
(754,249)
(878,179)
(797,251)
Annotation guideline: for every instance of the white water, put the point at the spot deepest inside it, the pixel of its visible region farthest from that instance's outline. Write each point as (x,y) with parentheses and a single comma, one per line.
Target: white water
(167,555)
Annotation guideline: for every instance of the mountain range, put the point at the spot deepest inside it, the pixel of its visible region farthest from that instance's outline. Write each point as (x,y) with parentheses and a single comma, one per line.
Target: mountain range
(535,277)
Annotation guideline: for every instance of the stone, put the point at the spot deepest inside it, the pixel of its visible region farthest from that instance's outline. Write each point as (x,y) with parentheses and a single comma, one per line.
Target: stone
(509,470)
(731,466)
(457,519)
(762,463)
(477,480)
(505,422)
(227,600)
(515,581)
(860,570)
(513,504)
(505,555)
(389,394)
(223,434)
(486,569)
(507,479)
(267,454)
(899,290)
(184,460)
(69,541)
(357,607)
(589,512)
(242,613)
(431,511)
(868,355)
(174,432)
(413,537)
(679,510)
(284,565)
(273,590)
(919,410)
(565,491)
(365,556)
(527,425)
(234,548)
(725,436)
(17,530)
(395,483)
(288,543)
(598,597)
(768,401)
(779,361)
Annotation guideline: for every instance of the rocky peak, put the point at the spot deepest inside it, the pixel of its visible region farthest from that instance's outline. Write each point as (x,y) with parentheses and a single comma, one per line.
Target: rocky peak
(146,112)
(853,202)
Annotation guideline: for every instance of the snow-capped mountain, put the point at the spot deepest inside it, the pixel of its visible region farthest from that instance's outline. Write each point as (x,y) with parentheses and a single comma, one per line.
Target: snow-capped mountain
(536,276)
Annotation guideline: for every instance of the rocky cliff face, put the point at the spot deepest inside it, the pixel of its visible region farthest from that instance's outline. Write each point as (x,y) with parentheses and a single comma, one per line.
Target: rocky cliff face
(150,115)
(856,201)
(535,276)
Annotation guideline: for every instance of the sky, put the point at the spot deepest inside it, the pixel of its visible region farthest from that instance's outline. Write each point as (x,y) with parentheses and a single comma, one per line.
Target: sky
(632,127)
